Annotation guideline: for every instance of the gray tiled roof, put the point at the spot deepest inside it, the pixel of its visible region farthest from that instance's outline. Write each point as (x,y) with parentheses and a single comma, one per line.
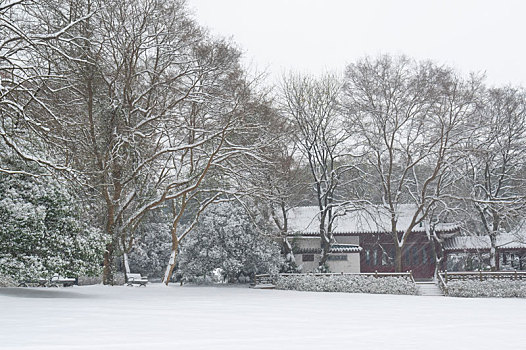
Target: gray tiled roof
(335,248)
(304,221)
(504,241)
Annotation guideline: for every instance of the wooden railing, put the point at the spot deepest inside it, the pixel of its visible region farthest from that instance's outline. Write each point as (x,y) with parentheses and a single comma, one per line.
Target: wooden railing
(481,275)
(269,279)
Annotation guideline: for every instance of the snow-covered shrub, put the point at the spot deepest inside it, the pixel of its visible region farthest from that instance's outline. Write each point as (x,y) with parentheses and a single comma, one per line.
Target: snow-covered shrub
(42,231)
(289,265)
(227,238)
(119,278)
(347,284)
(488,288)
(89,280)
(151,249)
(7,281)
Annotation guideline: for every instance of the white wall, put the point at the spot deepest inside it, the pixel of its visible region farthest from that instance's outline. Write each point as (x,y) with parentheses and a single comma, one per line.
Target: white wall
(351,265)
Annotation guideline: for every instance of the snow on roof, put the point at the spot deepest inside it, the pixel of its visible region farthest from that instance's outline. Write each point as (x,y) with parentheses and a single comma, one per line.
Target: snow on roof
(505,240)
(371,219)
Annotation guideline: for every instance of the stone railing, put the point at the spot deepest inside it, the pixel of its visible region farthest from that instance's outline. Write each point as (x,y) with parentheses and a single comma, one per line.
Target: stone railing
(481,275)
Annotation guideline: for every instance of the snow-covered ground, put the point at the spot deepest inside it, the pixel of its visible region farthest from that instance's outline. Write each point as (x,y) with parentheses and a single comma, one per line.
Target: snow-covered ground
(174,317)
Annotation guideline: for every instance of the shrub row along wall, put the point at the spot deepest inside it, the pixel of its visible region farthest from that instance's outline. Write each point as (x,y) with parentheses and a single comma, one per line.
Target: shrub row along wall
(489,288)
(347,284)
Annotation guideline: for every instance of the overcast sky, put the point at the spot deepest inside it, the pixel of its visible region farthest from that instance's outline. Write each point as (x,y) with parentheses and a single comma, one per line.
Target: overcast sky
(324,35)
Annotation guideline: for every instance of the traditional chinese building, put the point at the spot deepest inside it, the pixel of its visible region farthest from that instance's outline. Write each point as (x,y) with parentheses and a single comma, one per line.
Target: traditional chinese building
(363,242)
(470,253)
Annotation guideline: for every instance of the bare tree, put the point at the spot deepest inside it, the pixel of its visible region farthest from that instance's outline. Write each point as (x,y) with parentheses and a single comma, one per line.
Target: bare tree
(287,188)
(26,119)
(495,182)
(409,118)
(278,180)
(207,174)
(147,107)
(313,107)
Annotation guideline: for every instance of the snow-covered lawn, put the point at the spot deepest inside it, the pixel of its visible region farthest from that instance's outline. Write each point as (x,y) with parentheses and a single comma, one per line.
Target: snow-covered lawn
(158,317)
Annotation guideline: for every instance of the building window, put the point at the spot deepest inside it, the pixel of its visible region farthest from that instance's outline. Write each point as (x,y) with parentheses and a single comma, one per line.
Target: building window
(308,257)
(367,257)
(424,256)
(407,256)
(375,257)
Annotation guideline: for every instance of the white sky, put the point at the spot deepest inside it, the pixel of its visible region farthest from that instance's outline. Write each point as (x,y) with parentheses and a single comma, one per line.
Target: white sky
(315,36)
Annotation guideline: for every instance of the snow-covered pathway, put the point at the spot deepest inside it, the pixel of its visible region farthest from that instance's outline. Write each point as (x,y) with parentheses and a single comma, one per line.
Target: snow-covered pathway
(174,317)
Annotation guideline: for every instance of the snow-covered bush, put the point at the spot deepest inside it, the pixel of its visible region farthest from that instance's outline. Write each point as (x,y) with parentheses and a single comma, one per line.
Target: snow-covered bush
(119,278)
(89,280)
(7,281)
(488,288)
(226,238)
(42,231)
(151,248)
(289,265)
(347,284)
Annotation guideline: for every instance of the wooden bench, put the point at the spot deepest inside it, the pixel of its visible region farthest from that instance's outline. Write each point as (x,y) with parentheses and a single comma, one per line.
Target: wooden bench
(136,278)
(41,282)
(64,281)
(54,281)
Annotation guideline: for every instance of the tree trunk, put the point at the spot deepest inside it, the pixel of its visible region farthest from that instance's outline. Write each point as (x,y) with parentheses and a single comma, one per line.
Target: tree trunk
(126,265)
(493,251)
(287,250)
(398,257)
(108,273)
(325,242)
(325,246)
(438,254)
(171,264)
